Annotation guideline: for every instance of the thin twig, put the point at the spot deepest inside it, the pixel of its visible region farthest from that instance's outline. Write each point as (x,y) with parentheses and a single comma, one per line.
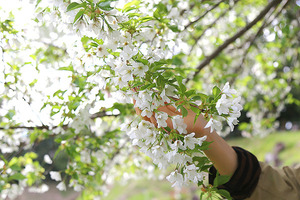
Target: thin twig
(261,15)
(250,42)
(204,14)
(213,23)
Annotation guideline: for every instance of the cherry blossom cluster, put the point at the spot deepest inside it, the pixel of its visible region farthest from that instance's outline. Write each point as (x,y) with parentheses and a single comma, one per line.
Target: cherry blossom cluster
(229,109)
(168,149)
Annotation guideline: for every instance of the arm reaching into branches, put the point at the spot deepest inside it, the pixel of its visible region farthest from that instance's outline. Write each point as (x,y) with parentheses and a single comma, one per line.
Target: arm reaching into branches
(221,154)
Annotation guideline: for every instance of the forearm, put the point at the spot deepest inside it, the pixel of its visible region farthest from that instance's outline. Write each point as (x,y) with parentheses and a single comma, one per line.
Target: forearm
(221,154)
(223,157)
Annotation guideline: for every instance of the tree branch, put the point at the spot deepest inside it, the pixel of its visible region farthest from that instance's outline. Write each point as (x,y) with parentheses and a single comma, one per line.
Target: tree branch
(204,14)
(261,15)
(252,39)
(213,23)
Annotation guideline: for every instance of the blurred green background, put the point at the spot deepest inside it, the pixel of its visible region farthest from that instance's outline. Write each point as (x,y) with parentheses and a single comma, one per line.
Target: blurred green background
(259,146)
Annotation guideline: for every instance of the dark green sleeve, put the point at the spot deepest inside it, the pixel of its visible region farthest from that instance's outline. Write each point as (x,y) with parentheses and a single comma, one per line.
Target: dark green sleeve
(244,180)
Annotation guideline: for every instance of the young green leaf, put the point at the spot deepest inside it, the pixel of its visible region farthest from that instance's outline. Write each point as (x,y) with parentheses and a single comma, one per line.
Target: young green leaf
(216,91)
(78,15)
(161,11)
(221,179)
(174,28)
(224,193)
(200,96)
(201,160)
(105,5)
(73,6)
(195,109)
(183,110)
(190,93)
(17,176)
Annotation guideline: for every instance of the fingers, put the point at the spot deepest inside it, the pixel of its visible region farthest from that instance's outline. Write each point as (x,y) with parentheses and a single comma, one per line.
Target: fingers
(138,111)
(153,120)
(171,110)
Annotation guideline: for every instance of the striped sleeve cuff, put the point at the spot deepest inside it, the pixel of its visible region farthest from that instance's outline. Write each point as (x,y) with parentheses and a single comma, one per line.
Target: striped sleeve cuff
(245,178)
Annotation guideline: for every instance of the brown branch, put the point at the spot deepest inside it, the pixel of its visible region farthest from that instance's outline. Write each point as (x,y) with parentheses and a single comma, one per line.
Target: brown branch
(45,127)
(252,39)
(204,14)
(184,10)
(266,25)
(213,23)
(261,15)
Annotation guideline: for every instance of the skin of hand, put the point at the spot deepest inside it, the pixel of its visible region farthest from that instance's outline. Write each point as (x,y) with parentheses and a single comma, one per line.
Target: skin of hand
(220,153)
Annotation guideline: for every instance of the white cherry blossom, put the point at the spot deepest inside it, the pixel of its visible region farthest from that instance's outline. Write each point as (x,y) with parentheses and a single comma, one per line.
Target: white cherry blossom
(47,159)
(146,113)
(61,186)
(213,124)
(178,124)
(150,137)
(190,141)
(223,105)
(55,175)
(161,118)
(231,122)
(191,173)
(226,90)
(177,145)
(176,178)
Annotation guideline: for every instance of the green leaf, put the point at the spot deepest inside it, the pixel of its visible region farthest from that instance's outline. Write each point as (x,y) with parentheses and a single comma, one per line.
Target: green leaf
(205,168)
(73,6)
(145,19)
(17,176)
(183,110)
(200,96)
(201,160)
(9,115)
(160,81)
(131,5)
(161,11)
(177,61)
(137,84)
(196,117)
(80,82)
(33,82)
(105,5)
(205,145)
(195,109)
(78,15)
(190,93)
(15,167)
(148,86)
(174,28)
(224,193)
(221,179)
(168,74)
(37,2)
(216,91)
(181,86)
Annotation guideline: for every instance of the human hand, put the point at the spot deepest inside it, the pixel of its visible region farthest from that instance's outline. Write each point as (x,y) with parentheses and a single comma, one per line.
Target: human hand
(197,127)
